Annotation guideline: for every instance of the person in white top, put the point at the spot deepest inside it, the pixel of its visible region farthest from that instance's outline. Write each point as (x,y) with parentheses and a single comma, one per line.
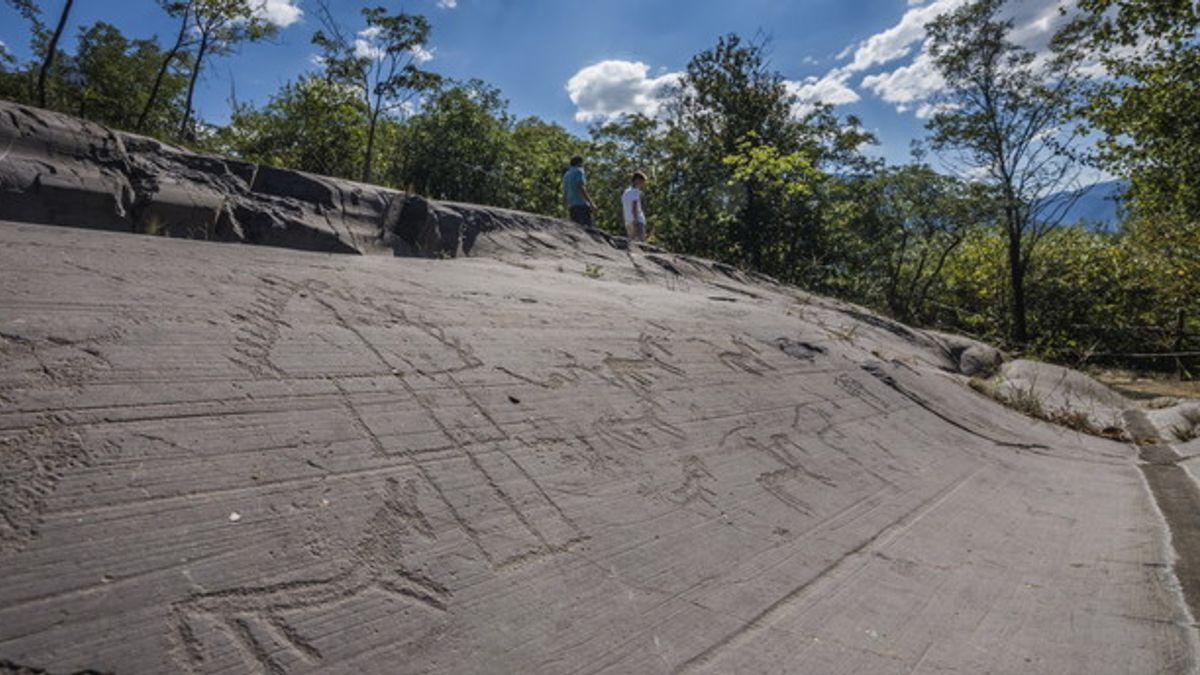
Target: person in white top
(635,215)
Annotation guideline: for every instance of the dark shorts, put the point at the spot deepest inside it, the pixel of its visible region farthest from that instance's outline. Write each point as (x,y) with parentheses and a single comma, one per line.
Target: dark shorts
(582,215)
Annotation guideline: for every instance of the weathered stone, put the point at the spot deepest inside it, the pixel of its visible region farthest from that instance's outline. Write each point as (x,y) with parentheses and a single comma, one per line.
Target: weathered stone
(557,453)
(59,170)
(547,457)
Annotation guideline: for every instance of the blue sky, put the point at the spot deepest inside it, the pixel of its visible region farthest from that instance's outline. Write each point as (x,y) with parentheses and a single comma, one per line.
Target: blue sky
(574,61)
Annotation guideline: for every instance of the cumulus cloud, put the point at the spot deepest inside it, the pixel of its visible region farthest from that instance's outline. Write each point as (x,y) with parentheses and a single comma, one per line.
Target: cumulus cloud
(282,13)
(911,85)
(365,46)
(421,54)
(927,109)
(447,4)
(907,84)
(831,89)
(898,41)
(609,89)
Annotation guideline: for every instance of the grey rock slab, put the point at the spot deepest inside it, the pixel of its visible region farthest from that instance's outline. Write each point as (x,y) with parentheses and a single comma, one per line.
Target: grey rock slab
(553,456)
(1055,388)
(60,170)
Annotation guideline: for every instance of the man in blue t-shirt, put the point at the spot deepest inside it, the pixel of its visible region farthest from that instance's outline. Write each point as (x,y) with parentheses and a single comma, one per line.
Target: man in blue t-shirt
(579,202)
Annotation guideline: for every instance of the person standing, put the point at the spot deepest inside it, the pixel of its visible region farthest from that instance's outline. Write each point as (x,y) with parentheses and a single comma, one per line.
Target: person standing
(579,202)
(635,214)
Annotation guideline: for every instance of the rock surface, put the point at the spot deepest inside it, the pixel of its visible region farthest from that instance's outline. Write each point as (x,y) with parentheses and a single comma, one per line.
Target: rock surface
(537,450)
(552,456)
(61,170)
(1058,390)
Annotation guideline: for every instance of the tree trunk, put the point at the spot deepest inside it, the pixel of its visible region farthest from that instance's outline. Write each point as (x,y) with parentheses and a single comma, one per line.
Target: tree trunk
(893,289)
(369,160)
(187,108)
(162,71)
(48,62)
(1016,265)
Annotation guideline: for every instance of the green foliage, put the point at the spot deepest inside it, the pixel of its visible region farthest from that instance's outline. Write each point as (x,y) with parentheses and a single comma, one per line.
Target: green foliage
(909,222)
(110,72)
(538,155)
(221,25)
(383,65)
(1001,119)
(457,147)
(734,175)
(1149,114)
(312,125)
(618,149)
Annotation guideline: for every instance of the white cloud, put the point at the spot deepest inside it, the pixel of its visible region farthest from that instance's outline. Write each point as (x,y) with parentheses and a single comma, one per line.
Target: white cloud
(282,13)
(927,110)
(364,49)
(912,85)
(421,54)
(610,89)
(907,84)
(447,4)
(366,46)
(897,42)
(831,89)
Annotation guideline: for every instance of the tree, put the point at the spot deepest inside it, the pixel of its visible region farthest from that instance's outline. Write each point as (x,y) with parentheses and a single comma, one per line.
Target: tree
(383,63)
(12,85)
(727,95)
(619,148)
(51,52)
(1147,105)
(457,148)
(312,125)
(107,76)
(538,156)
(183,10)
(1001,119)
(919,220)
(221,25)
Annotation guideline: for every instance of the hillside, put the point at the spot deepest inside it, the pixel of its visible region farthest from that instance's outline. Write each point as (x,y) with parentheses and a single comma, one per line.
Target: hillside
(517,446)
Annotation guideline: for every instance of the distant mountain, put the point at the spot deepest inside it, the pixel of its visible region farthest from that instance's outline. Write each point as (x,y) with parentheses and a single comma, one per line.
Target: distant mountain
(1097,206)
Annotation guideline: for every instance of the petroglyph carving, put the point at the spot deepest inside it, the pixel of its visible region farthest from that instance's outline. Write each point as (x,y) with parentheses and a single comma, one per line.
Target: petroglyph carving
(34,460)
(786,482)
(696,478)
(744,358)
(641,432)
(255,616)
(797,349)
(501,508)
(849,384)
(32,463)
(259,324)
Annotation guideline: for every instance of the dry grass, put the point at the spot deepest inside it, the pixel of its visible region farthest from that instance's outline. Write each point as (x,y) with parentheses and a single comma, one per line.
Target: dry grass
(1026,402)
(1185,434)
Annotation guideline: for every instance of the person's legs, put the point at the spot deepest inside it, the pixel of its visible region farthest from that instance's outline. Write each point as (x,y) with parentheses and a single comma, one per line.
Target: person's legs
(581,215)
